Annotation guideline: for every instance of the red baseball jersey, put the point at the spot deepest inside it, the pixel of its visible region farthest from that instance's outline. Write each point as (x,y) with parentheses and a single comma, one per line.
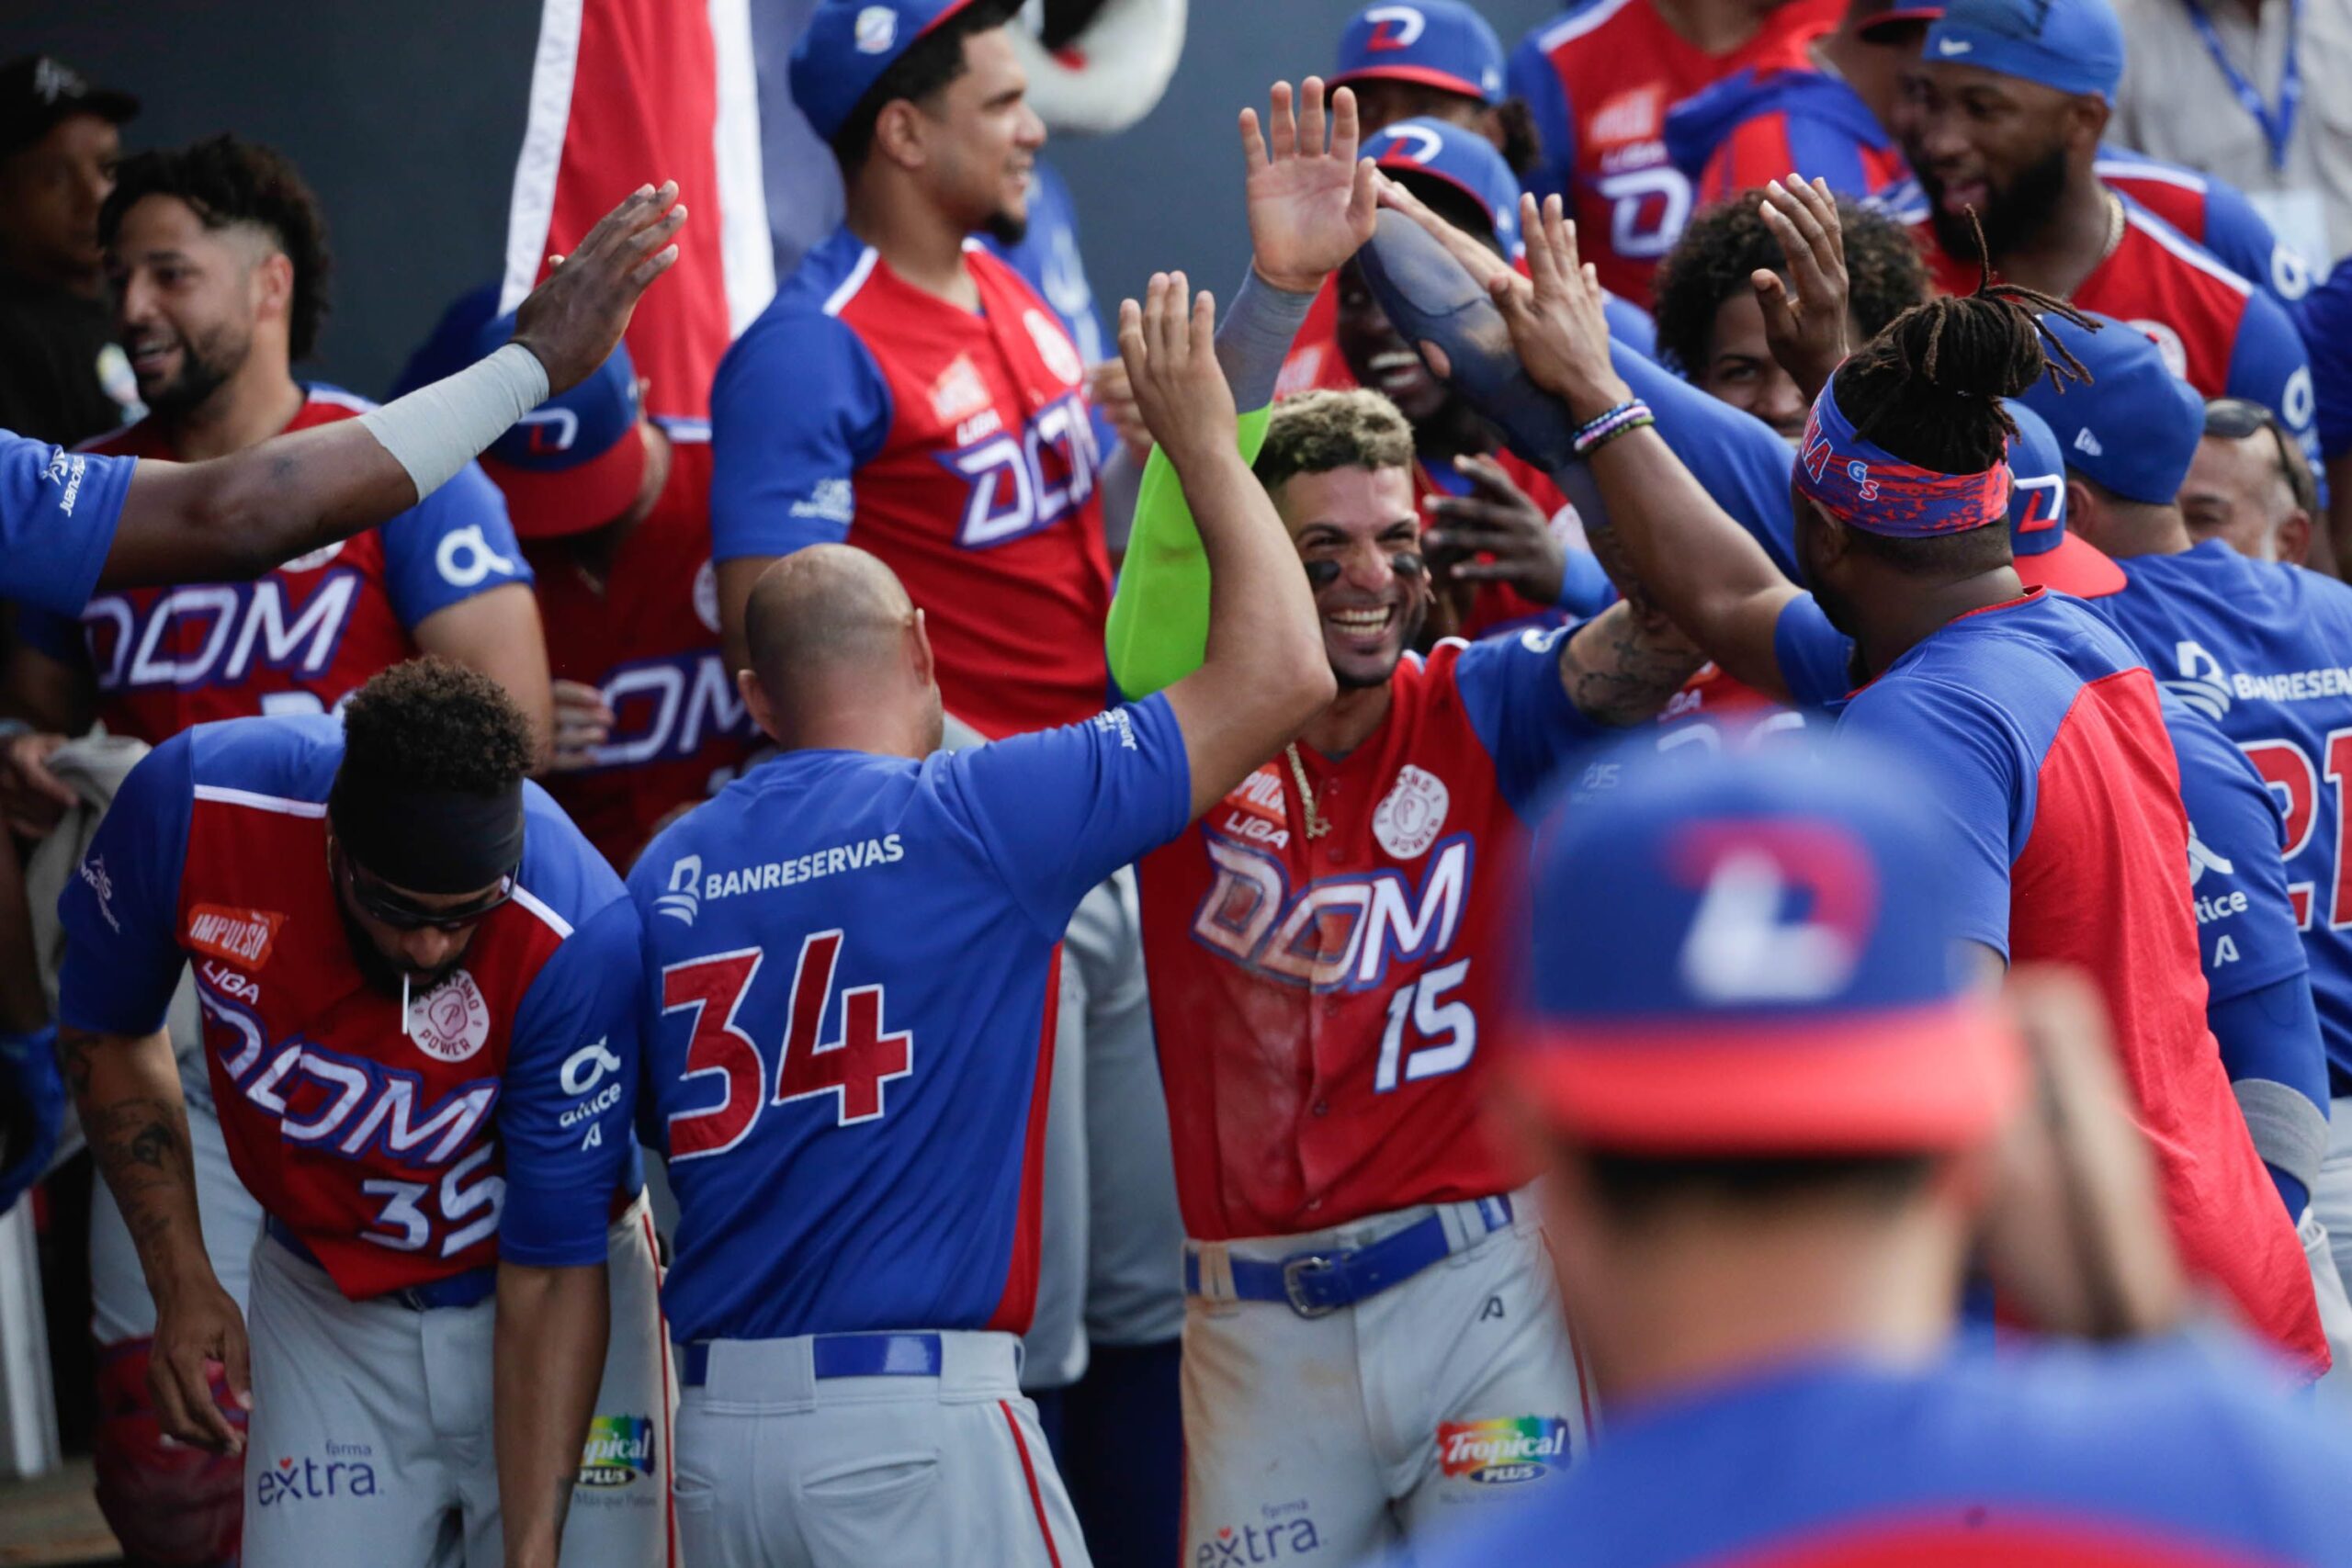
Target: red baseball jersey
(954,444)
(1600,81)
(647,639)
(1322,1004)
(493,1121)
(2217,331)
(299,639)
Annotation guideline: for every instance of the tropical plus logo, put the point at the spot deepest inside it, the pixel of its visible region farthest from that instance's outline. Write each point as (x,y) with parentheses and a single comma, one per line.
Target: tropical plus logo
(619,1449)
(1503,1452)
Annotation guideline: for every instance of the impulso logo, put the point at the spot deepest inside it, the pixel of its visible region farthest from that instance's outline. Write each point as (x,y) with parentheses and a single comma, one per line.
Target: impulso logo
(1503,1452)
(619,1449)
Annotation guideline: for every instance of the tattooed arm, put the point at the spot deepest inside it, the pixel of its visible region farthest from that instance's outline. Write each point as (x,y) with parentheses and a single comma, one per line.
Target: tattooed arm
(127,1088)
(1621,666)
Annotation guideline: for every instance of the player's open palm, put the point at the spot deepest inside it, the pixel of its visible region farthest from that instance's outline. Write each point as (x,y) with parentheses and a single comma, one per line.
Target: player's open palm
(1168,344)
(1311,206)
(1557,321)
(196,1328)
(1804,316)
(571,321)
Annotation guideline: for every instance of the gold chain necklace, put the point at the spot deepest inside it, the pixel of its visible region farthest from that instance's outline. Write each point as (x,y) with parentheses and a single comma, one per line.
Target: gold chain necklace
(2114,225)
(1316,826)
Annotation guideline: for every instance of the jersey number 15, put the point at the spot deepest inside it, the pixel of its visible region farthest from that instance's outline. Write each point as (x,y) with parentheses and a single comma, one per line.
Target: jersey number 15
(851,1069)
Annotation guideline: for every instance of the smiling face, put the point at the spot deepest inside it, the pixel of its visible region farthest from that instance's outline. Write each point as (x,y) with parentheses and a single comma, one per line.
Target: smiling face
(2002,145)
(1361,543)
(1377,354)
(189,300)
(985,141)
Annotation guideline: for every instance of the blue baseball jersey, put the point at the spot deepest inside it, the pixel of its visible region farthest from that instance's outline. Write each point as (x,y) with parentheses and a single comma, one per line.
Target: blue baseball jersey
(2214,214)
(493,1121)
(2324,318)
(2265,650)
(2170,1454)
(58,510)
(850,966)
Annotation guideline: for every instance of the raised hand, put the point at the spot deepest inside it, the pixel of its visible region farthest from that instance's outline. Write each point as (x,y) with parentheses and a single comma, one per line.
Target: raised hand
(571,321)
(1555,317)
(1168,344)
(1310,208)
(1806,317)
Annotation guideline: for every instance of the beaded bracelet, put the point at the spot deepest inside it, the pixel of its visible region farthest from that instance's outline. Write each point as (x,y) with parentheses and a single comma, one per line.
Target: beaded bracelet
(1626,416)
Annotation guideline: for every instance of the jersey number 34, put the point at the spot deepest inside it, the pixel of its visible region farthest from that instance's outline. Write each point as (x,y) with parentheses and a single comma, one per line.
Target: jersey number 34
(851,1069)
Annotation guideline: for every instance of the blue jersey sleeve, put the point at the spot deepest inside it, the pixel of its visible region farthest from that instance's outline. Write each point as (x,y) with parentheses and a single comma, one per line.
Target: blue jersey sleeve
(797,408)
(1816,660)
(2245,922)
(2267,365)
(1521,709)
(454,544)
(1630,324)
(2244,242)
(1733,455)
(1528,77)
(58,512)
(2325,317)
(1062,809)
(122,909)
(568,1094)
(1980,785)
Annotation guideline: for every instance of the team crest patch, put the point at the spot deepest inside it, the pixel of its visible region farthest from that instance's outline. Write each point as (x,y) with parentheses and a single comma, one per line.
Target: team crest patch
(242,937)
(1408,822)
(877,29)
(1504,1452)
(1053,347)
(958,391)
(451,1022)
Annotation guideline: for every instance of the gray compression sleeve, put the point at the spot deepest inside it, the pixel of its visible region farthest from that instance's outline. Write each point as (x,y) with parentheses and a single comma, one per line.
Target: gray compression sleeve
(1255,337)
(437,429)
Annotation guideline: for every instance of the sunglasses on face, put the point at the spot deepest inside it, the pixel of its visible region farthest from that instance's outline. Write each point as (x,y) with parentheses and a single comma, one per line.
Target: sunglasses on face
(380,904)
(2234,419)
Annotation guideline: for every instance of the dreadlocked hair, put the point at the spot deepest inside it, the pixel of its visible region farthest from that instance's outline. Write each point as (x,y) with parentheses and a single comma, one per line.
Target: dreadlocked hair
(1929,387)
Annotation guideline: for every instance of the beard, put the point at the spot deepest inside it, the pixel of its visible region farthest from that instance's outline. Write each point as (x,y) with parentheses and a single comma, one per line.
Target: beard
(206,366)
(383,976)
(1005,228)
(2011,216)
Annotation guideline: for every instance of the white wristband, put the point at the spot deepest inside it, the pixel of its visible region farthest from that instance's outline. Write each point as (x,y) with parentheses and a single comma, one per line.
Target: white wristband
(437,429)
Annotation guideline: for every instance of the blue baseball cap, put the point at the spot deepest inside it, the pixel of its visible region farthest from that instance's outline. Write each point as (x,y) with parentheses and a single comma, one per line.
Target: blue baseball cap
(847,47)
(1754,953)
(1462,159)
(2047,553)
(2134,428)
(573,463)
(1437,43)
(2076,46)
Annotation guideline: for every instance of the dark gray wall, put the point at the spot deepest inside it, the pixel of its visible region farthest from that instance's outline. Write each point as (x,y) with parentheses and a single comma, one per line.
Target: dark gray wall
(405,117)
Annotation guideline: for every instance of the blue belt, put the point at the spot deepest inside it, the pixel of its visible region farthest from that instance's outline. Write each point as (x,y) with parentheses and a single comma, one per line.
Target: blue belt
(1314,1284)
(839,1356)
(458,1291)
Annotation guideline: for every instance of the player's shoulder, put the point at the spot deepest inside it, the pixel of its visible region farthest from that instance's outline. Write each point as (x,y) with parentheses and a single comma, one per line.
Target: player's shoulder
(562,879)
(325,403)
(283,763)
(806,318)
(2169,258)
(1578,22)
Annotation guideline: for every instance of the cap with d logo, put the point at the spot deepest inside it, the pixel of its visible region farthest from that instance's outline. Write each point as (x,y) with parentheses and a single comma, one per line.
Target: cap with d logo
(1434,43)
(1462,159)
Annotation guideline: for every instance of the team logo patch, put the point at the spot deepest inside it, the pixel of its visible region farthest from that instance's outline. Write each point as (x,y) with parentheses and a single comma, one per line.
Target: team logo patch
(243,937)
(1504,1452)
(2169,343)
(959,390)
(1408,822)
(877,29)
(619,1449)
(451,1022)
(1053,347)
(706,596)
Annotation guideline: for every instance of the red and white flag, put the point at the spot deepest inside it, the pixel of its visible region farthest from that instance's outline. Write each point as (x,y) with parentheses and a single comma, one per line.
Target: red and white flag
(627,91)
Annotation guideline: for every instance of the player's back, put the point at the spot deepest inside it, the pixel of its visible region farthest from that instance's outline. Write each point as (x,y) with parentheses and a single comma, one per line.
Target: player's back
(2172,1454)
(850,977)
(2263,650)
(2047,734)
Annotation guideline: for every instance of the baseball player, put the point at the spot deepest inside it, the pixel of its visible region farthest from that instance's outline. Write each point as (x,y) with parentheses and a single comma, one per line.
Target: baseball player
(849,959)
(2053,71)
(2043,729)
(1365,1275)
(1599,81)
(614,509)
(71,522)
(2244,642)
(1762,1080)
(419,992)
